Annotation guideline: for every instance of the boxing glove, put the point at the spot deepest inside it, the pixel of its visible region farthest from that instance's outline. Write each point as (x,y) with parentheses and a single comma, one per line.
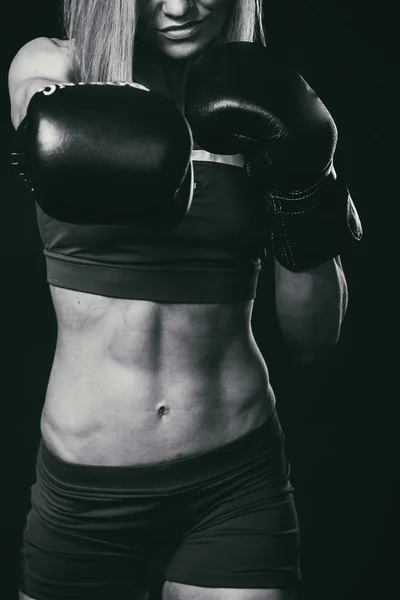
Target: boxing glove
(242,97)
(106,154)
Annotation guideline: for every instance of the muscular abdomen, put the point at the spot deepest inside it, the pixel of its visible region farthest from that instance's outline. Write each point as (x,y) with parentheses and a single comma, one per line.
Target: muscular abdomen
(137,382)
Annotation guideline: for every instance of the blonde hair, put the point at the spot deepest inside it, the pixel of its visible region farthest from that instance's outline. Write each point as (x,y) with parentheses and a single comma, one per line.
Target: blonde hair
(103,35)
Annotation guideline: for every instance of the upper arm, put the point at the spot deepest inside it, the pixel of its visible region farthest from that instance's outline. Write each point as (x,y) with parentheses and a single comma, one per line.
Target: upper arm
(38,63)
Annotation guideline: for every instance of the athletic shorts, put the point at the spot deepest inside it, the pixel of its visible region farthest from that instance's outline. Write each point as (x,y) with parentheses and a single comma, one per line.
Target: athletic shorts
(224,518)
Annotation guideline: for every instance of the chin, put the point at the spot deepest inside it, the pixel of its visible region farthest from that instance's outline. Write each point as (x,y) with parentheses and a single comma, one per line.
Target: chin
(183,50)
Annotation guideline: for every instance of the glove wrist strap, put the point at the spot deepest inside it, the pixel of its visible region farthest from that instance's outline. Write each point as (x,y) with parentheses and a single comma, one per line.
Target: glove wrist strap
(312,226)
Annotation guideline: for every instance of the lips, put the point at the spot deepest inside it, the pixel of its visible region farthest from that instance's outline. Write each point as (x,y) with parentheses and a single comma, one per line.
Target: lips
(188,25)
(182,32)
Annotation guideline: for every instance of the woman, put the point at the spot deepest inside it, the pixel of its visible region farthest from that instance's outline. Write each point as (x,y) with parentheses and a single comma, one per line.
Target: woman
(161,452)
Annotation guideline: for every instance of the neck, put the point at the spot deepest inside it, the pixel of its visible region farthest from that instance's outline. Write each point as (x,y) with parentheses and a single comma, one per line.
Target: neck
(159,72)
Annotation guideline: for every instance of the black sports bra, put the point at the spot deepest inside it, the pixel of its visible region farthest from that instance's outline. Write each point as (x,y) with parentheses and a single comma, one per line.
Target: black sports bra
(213,256)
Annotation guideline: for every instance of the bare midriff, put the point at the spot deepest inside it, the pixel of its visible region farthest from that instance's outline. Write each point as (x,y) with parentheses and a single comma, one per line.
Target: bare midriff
(137,382)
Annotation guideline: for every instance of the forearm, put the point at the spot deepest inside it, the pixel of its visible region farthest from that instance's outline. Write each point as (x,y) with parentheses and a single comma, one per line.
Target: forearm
(310,308)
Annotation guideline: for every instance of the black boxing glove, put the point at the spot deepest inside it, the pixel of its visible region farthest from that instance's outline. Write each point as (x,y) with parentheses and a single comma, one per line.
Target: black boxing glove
(106,154)
(242,98)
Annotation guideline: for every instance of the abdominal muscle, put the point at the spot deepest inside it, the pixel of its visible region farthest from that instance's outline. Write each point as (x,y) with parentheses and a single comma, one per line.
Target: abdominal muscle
(136,382)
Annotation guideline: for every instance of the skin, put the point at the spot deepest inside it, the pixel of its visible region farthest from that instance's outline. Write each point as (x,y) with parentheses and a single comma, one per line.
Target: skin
(172,58)
(137,382)
(155,15)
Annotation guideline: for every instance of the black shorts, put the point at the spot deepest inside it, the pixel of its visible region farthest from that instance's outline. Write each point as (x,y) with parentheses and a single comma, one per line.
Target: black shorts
(224,518)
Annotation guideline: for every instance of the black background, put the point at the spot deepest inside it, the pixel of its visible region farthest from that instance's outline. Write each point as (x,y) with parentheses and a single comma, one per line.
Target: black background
(340,419)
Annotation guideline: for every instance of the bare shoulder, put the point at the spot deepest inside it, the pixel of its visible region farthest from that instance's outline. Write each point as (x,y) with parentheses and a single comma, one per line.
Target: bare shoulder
(41,58)
(38,63)
(63,45)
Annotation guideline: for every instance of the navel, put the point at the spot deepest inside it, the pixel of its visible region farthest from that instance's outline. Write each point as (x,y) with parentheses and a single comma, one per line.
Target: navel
(163,410)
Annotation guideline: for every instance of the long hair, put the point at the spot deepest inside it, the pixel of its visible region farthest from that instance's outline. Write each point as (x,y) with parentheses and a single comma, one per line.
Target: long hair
(103,35)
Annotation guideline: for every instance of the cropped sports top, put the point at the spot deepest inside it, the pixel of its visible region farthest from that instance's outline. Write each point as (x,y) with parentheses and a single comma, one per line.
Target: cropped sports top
(214,255)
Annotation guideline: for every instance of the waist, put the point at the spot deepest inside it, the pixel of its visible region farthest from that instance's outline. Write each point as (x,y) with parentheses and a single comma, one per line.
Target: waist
(152,382)
(247,450)
(85,425)
(90,385)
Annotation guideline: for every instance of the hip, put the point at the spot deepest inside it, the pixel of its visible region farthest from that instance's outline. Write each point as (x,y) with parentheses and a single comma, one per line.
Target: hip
(174,521)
